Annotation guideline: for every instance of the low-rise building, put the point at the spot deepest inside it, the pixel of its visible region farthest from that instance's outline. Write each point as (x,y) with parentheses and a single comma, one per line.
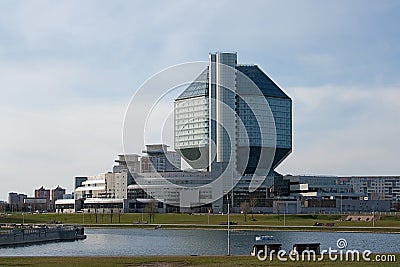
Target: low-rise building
(66,205)
(36,204)
(375,187)
(105,185)
(128,190)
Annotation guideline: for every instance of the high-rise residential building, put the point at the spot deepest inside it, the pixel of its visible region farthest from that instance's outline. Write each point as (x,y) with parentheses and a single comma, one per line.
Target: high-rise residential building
(43,193)
(235,117)
(16,200)
(57,193)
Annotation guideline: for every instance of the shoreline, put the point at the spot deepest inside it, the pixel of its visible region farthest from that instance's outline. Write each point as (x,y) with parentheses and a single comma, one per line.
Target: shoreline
(261,222)
(381,230)
(176,261)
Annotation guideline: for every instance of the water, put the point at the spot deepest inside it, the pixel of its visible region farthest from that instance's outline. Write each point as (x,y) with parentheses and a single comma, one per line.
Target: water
(135,242)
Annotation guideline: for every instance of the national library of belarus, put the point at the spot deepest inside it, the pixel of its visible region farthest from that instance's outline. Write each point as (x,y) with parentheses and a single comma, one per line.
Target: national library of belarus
(232,123)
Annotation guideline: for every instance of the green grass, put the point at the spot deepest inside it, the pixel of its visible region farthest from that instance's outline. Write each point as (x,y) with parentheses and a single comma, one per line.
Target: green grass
(196,220)
(170,261)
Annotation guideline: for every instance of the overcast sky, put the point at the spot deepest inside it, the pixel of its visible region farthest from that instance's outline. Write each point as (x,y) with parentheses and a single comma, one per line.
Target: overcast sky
(69,68)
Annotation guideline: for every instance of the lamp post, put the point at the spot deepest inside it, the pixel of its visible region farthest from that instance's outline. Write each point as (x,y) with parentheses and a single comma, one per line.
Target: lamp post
(373,217)
(341,205)
(284,215)
(229,249)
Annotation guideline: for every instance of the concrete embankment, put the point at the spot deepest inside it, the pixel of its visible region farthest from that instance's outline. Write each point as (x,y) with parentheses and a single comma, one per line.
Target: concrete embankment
(39,234)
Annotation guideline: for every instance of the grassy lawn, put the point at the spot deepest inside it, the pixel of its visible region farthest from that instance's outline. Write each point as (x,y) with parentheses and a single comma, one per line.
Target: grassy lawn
(171,261)
(260,220)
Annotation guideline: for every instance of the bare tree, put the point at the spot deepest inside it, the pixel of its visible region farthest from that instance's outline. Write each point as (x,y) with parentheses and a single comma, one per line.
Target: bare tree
(151,209)
(245,208)
(253,203)
(278,211)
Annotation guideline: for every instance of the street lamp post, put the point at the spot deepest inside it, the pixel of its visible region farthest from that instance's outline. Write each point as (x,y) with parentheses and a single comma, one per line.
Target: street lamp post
(284,216)
(229,250)
(341,205)
(373,217)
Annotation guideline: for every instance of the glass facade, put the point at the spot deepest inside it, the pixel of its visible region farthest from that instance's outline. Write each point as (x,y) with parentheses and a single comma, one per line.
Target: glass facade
(191,116)
(282,111)
(267,129)
(261,121)
(191,122)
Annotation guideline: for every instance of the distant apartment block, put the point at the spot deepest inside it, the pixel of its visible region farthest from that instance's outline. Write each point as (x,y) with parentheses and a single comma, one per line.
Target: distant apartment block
(16,200)
(375,187)
(57,193)
(43,193)
(365,187)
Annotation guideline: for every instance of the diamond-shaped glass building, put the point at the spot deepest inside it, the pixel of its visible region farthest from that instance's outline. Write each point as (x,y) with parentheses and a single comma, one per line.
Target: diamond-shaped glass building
(233,113)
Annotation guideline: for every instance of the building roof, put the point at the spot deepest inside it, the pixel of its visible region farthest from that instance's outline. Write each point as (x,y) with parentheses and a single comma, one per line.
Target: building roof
(263,82)
(65,201)
(269,88)
(103,200)
(198,87)
(42,189)
(58,188)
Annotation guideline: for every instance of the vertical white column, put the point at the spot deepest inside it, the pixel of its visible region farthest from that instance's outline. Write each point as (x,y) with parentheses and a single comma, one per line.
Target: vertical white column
(212,108)
(225,89)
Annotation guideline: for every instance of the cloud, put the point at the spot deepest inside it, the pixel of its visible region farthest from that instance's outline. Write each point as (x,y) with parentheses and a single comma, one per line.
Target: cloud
(346,131)
(50,148)
(69,68)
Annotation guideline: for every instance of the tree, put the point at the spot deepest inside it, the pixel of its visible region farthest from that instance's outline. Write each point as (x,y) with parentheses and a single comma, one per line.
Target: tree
(245,208)
(253,203)
(119,216)
(151,209)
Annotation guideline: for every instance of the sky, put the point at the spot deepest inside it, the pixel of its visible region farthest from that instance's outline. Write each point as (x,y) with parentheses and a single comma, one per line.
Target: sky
(68,70)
